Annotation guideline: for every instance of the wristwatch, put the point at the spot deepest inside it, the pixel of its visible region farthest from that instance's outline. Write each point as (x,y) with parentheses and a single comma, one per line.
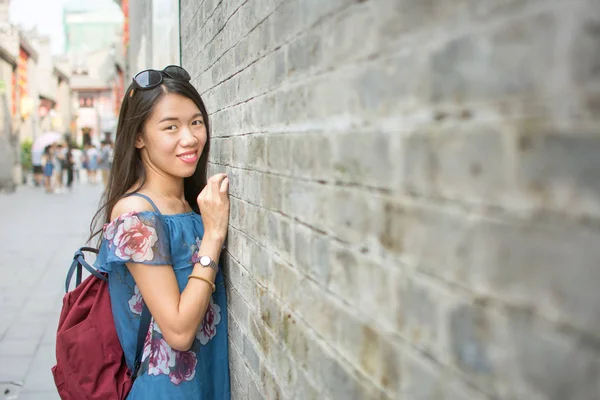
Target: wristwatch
(206,261)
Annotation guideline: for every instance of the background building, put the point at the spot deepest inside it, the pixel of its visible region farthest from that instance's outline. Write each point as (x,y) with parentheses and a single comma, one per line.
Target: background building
(91,25)
(35,96)
(8,72)
(151,35)
(94,46)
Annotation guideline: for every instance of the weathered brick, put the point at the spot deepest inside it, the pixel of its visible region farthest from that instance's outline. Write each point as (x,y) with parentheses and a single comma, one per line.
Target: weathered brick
(559,170)
(256,151)
(238,369)
(295,337)
(469,329)
(276,145)
(343,220)
(286,282)
(311,155)
(272,189)
(235,333)
(336,376)
(554,363)
(251,357)
(420,313)
(462,68)
(303,238)
(270,386)
(270,311)
(584,48)
(472,164)
(423,380)
(237,306)
(254,392)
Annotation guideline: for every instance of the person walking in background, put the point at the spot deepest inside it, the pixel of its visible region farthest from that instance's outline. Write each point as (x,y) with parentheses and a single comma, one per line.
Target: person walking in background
(48,162)
(59,167)
(78,157)
(105,160)
(38,167)
(91,154)
(69,165)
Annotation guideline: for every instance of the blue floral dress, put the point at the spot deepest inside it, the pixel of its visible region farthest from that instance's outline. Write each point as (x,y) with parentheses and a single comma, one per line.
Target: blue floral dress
(155,239)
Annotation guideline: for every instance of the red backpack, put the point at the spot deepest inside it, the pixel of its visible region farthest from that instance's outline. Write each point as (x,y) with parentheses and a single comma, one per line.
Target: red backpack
(90,363)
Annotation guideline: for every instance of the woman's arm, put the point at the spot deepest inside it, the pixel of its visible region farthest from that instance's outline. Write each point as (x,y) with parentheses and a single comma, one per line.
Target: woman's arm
(179,314)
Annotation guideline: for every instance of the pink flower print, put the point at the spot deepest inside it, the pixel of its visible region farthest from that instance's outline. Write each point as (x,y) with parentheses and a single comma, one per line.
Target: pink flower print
(160,356)
(109,230)
(185,367)
(136,301)
(195,251)
(123,217)
(208,329)
(156,327)
(134,240)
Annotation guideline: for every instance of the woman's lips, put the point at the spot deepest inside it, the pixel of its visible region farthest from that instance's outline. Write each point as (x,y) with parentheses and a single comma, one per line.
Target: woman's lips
(189,157)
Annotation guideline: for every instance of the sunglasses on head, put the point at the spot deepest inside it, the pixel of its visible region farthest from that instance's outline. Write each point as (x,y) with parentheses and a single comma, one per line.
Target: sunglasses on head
(151,78)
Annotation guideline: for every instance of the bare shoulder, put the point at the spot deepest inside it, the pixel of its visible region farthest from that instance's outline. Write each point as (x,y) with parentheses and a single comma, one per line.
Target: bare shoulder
(130,204)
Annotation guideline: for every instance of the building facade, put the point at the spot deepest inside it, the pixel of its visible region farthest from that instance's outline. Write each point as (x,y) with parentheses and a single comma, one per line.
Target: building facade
(94,47)
(35,93)
(151,35)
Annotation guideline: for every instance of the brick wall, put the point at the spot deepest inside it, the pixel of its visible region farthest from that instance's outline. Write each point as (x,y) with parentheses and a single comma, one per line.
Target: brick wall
(415,198)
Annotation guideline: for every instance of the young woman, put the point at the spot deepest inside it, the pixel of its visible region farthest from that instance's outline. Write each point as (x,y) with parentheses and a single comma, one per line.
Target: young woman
(164,228)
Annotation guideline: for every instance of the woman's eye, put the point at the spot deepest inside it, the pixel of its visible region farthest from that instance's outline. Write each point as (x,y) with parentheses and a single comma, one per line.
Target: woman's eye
(198,122)
(171,128)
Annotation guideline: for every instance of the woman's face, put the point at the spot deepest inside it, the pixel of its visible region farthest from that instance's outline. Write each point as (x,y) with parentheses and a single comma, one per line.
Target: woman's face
(173,137)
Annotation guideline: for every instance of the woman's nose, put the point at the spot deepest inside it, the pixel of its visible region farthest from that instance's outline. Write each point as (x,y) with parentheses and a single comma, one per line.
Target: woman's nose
(188,138)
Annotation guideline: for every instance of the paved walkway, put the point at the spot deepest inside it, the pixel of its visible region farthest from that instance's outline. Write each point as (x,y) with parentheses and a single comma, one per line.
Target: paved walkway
(38,235)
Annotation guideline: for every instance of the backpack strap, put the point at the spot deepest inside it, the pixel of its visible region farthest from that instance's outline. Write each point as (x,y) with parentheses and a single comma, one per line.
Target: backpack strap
(147,198)
(77,264)
(141,336)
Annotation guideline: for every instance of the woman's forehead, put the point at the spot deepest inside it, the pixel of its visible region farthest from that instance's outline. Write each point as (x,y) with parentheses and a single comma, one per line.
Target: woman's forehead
(175,105)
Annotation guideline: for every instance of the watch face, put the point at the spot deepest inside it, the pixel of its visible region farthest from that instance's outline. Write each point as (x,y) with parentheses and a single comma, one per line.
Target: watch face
(205,261)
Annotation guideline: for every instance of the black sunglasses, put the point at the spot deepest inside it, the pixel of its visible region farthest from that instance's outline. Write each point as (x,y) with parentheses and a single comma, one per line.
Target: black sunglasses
(151,78)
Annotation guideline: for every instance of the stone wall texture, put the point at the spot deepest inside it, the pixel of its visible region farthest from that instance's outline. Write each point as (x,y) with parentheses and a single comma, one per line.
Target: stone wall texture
(415,194)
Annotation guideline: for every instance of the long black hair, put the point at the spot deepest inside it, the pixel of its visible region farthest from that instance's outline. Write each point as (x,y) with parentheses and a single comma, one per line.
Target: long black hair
(127,168)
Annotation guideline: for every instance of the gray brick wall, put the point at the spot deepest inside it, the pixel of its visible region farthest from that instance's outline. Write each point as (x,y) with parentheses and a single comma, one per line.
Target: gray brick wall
(415,194)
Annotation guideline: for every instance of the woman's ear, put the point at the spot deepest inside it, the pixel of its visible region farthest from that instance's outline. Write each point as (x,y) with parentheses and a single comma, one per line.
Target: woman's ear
(139,141)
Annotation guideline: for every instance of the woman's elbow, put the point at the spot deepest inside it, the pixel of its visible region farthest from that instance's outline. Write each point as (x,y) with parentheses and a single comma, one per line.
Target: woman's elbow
(179,341)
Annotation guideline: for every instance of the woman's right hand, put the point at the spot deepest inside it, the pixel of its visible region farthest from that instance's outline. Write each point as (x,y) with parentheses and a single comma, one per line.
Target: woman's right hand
(213,202)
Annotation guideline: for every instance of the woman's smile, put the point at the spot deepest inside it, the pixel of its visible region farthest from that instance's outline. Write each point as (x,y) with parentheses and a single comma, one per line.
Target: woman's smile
(189,157)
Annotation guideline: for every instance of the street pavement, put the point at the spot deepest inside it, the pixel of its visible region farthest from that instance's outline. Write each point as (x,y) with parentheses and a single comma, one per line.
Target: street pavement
(39,233)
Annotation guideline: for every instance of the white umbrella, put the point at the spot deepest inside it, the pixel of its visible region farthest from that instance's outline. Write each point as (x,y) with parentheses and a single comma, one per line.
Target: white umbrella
(45,139)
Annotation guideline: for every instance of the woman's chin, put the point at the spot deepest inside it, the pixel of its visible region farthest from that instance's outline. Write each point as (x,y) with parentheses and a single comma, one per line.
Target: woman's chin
(188,174)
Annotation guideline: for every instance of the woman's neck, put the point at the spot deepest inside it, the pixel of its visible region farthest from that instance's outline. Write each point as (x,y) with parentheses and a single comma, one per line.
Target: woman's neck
(167,187)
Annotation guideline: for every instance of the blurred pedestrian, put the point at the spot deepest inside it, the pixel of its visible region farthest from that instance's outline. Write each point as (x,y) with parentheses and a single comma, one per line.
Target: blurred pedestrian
(59,167)
(48,161)
(105,160)
(69,165)
(78,158)
(38,168)
(91,155)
